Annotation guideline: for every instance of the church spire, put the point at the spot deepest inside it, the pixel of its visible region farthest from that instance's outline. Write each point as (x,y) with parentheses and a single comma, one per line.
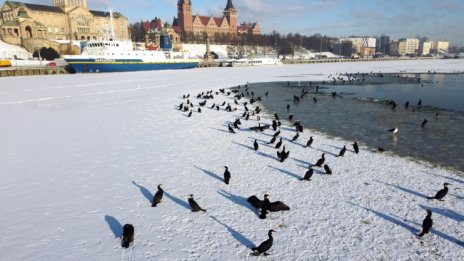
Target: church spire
(229,5)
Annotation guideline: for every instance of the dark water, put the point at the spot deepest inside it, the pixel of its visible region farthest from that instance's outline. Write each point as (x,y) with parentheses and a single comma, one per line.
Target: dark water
(359,113)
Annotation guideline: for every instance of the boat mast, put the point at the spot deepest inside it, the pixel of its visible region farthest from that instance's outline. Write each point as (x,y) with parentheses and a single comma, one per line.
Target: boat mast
(111,24)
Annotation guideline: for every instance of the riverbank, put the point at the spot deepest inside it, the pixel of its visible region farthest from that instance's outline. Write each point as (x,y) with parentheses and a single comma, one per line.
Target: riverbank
(82,155)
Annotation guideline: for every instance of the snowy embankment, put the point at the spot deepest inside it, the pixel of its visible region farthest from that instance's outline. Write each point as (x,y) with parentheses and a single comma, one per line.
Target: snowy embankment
(81,155)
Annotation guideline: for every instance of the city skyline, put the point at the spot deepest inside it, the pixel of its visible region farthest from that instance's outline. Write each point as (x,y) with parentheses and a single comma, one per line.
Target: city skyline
(337,18)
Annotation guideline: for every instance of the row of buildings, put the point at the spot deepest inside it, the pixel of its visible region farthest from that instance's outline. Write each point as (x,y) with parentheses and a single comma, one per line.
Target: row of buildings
(371,46)
(33,26)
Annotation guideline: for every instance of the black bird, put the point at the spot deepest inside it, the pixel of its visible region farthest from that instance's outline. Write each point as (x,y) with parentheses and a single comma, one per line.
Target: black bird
(320,161)
(327,169)
(290,117)
(308,174)
(230,129)
(342,152)
(199,110)
(406,105)
(276,134)
(441,193)
(419,103)
(424,122)
(288,107)
(127,235)
(295,137)
(158,196)
(426,224)
(255,145)
(310,141)
(265,246)
(194,205)
(279,144)
(276,116)
(355,147)
(266,207)
(272,140)
(381,149)
(190,114)
(226,175)
(314,99)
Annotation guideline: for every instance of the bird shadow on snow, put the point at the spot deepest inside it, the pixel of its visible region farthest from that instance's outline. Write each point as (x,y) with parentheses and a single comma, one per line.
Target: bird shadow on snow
(415,193)
(286,172)
(237,235)
(239,200)
(262,142)
(226,131)
(211,174)
(145,192)
(446,177)
(336,147)
(388,218)
(328,152)
(243,145)
(177,200)
(445,212)
(114,225)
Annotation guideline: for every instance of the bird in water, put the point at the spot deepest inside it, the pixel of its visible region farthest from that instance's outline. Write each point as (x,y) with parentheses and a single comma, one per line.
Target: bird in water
(279,144)
(288,107)
(295,137)
(255,145)
(230,129)
(310,141)
(441,193)
(290,117)
(355,147)
(424,122)
(419,103)
(342,152)
(265,246)
(406,105)
(314,99)
(393,130)
(158,196)
(380,149)
(127,235)
(327,169)
(320,161)
(426,224)
(226,175)
(194,205)
(308,174)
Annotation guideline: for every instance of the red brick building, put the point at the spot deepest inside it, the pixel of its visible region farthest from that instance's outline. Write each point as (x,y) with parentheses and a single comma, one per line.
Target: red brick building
(197,25)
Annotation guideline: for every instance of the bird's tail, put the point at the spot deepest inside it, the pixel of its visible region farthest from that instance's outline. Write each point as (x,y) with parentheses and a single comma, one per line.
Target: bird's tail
(430,197)
(204,210)
(421,234)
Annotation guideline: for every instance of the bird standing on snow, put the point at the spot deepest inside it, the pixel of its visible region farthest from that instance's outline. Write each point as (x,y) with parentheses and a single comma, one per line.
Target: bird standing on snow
(342,152)
(265,246)
(230,129)
(255,145)
(426,224)
(310,141)
(127,235)
(441,193)
(226,175)
(355,147)
(327,169)
(320,161)
(308,174)
(158,196)
(194,205)
(279,144)
(295,137)
(266,207)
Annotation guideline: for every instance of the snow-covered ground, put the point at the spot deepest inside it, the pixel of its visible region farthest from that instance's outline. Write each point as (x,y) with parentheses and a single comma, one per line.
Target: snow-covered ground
(9,51)
(199,50)
(81,155)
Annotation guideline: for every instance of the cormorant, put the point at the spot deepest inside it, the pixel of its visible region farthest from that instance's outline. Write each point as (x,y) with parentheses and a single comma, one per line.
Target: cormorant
(295,137)
(355,147)
(310,141)
(194,205)
(314,99)
(426,224)
(230,129)
(406,105)
(276,134)
(320,161)
(158,196)
(308,174)
(199,110)
(381,149)
(327,169)
(272,140)
(127,235)
(290,117)
(288,107)
(342,152)
(424,122)
(255,145)
(279,144)
(266,207)
(265,246)
(190,114)
(441,193)
(276,116)
(226,175)
(419,103)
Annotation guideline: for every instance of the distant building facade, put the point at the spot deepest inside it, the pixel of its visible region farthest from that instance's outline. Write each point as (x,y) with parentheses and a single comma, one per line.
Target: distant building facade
(32,25)
(440,46)
(363,46)
(425,48)
(408,46)
(383,45)
(188,24)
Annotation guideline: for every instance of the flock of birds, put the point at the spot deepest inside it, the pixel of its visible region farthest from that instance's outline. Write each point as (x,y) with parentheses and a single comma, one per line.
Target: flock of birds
(249,110)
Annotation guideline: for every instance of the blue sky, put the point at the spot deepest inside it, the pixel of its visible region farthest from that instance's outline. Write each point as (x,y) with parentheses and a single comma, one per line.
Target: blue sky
(437,19)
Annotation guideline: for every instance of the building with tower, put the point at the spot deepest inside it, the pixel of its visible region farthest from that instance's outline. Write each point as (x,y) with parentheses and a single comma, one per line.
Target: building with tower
(33,26)
(188,25)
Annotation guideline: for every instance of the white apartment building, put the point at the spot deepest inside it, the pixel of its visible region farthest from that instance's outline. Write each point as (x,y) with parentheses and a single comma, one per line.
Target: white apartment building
(440,45)
(408,46)
(425,48)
